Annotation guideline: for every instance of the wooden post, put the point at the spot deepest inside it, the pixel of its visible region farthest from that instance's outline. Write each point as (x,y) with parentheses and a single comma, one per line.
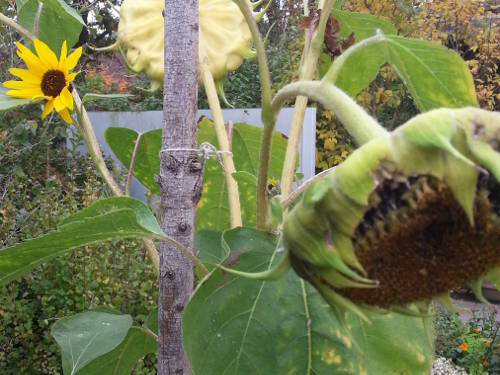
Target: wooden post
(180,178)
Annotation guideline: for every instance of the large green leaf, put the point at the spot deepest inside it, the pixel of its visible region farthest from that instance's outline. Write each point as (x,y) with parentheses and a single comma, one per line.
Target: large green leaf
(86,336)
(213,210)
(337,4)
(151,322)
(8,102)
(58,22)
(234,325)
(394,343)
(435,76)
(363,26)
(106,219)
(122,360)
(207,246)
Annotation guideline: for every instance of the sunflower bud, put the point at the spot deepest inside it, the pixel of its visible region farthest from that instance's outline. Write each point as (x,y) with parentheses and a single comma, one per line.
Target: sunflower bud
(224,36)
(407,216)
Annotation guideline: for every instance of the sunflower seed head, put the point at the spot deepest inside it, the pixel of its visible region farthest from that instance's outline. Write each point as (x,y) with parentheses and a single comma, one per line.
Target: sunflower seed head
(415,212)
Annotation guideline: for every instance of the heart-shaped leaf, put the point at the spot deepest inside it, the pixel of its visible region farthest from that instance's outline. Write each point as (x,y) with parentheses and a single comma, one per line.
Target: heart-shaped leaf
(123,359)
(58,22)
(234,325)
(435,76)
(86,336)
(363,26)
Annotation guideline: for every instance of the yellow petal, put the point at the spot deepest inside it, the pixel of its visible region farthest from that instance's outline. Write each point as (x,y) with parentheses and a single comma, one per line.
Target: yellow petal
(65,116)
(62,59)
(67,98)
(25,75)
(47,57)
(59,104)
(32,61)
(49,106)
(73,58)
(71,77)
(26,93)
(37,70)
(21,85)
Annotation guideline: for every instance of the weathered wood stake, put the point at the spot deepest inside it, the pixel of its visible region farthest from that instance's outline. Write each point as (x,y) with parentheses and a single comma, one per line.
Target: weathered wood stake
(180,178)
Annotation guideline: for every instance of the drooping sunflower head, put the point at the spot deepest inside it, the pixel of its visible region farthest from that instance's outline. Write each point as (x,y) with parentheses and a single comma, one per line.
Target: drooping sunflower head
(406,217)
(45,77)
(224,36)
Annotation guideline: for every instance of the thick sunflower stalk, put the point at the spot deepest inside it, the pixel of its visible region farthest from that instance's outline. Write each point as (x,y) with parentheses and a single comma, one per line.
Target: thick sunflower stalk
(407,216)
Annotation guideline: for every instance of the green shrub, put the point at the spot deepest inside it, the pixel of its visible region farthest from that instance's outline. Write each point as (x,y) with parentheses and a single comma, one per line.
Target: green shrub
(41,181)
(474,345)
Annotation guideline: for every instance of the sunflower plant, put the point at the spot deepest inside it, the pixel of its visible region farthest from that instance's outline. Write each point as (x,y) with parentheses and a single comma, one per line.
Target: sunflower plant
(408,216)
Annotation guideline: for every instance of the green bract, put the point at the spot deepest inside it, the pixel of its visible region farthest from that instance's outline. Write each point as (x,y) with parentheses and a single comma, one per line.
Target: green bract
(407,216)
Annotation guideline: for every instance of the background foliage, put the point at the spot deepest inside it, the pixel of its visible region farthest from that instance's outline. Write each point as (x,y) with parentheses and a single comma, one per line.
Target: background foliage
(41,181)
(474,345)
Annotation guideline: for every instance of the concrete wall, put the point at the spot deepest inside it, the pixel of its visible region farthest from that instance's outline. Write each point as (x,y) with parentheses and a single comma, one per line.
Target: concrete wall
(145,121)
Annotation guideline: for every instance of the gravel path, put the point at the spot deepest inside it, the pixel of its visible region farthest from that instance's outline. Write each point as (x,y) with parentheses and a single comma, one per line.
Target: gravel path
(444,366)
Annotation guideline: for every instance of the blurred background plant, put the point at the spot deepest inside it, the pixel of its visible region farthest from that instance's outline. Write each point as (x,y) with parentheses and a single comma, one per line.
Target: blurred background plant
(473,345)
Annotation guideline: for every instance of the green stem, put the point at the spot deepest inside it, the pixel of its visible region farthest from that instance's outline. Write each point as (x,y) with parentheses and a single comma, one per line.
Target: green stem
(222,138)
(93,145)
(312,50)
(268,117)
(360,125)
(21,30)
(85,127)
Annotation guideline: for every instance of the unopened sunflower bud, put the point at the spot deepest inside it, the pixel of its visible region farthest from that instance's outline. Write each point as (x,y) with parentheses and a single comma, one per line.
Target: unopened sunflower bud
(224,36)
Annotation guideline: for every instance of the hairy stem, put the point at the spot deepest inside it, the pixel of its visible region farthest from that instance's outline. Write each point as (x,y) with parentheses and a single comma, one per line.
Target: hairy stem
(21,30)
(360,125)
(268,117)
(312,50)
(222,139)
(85,127)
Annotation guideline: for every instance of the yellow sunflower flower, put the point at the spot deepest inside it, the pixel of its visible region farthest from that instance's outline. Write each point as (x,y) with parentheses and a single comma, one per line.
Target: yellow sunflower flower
(46,77)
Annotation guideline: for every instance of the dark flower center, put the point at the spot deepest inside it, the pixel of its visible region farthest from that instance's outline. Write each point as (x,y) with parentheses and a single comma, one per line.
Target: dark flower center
(53,82)
(418,243)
